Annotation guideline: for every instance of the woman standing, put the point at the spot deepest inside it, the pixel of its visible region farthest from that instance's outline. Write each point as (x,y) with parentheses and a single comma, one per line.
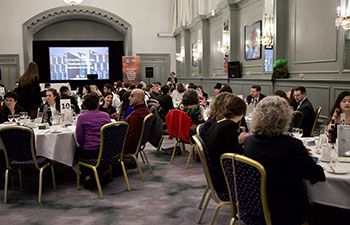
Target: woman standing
(29,90)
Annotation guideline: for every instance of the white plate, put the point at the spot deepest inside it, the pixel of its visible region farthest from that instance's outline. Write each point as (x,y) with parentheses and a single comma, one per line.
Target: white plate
(337,171)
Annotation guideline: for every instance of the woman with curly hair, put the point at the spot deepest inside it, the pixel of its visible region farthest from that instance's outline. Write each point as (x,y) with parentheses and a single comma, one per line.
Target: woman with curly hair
(190,104)
(223,136)
(285,159)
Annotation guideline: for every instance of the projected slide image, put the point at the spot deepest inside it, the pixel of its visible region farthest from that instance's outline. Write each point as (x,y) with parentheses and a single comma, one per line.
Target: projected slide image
(74,63)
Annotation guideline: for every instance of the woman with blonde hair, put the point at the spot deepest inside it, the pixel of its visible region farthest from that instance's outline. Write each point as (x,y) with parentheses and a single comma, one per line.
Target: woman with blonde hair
(29,90)
(94,89)
(223,137)
(286,161)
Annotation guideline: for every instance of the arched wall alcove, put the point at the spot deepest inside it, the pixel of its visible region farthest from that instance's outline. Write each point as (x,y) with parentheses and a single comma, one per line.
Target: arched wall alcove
(68,15)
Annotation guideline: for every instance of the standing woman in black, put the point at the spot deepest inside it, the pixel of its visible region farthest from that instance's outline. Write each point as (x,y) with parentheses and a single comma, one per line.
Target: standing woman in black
(29,90)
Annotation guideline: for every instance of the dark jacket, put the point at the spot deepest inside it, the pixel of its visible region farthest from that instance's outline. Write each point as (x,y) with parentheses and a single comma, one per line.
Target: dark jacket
(287,163)
(308,117)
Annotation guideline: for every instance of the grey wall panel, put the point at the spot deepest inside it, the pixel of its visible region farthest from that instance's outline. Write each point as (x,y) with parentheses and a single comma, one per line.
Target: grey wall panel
(315,40)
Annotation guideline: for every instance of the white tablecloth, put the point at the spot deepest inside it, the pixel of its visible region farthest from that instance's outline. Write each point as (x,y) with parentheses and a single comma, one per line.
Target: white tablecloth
(335,191)
(56,143)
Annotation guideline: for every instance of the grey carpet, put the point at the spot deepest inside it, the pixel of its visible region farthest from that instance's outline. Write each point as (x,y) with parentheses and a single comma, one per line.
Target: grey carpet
(169,195)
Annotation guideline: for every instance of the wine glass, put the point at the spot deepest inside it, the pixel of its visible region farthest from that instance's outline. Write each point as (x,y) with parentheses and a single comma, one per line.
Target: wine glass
(300,132)
(295,131)
(10,118)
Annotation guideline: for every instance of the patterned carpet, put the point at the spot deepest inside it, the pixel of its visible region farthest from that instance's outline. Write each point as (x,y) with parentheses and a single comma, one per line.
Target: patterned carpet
(169,195)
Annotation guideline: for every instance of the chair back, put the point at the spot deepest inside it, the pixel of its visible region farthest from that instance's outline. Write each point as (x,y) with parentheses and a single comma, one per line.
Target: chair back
(113,136)
(179,125)
(250,188)
(318,110)
(145,130)
(18,142)
(207,166)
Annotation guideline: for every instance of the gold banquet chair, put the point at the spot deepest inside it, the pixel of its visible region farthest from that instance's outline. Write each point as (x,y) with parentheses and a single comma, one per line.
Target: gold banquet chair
(112,137)
(176,129)
(246,182)
(19,148)
(221,199)
(146,127)
(318,110)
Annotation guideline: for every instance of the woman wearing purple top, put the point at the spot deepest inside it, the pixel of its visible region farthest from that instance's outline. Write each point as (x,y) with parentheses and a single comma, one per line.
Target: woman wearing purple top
(88,127)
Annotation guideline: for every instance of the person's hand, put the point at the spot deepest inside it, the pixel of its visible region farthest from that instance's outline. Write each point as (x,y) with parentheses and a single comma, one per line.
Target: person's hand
(309,151)
(242,136)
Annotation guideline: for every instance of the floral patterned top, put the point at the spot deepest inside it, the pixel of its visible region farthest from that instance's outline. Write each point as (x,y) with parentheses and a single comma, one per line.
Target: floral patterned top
(194,111)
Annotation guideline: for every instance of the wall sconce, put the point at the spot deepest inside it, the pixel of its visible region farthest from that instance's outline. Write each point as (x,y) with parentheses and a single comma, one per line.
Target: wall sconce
(267,38)
(73,2)
(343,15)
(197,51)
(224,47)
(181,55)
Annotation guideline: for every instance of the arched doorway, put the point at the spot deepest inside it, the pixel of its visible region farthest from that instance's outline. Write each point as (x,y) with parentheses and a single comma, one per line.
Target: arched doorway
(73,13)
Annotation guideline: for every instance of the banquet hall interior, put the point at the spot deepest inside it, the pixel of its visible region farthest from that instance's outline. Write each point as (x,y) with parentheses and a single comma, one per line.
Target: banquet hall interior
(240,43)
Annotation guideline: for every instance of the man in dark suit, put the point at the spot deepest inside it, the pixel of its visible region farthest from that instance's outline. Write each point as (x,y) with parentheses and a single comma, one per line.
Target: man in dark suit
(304,106)
(255,96)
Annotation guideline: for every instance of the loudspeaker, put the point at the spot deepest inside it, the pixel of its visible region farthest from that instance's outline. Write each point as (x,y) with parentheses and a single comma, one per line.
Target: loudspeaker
(234,69)
(92,76)
(149,72)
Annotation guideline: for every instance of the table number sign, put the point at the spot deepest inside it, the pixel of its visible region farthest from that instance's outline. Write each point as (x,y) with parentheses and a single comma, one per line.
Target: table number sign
(65,105)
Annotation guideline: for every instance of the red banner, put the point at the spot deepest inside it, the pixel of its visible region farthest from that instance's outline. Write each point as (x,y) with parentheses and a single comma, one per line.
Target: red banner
(131,69)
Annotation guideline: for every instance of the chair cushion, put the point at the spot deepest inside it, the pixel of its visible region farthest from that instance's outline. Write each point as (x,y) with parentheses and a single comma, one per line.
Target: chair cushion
(29,164)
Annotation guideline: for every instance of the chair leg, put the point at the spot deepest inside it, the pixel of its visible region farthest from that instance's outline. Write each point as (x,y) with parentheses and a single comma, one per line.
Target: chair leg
(139,168)
(143,159)
(41,170)
(53,176)
(190,156)
(98,183)
(20,179)
(125,176)
(6,185)
(160,143)
(203,197)
(173,155)
(217,209)
(232,221)
(78,176)
(205,207)
(147,162)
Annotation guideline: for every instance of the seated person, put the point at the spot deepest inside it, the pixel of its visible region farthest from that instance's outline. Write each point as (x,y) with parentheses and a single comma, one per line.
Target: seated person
(223,137)
(88,129)
(304,106)
(64,91)
(165,101)
(255,96)
(341,105)
(10,107)
(135,120)
(216,113)
(106,105)
(217,88)
(202,96)
(190,104)
(116,99)
(286,161)
(52,101)
(125,108)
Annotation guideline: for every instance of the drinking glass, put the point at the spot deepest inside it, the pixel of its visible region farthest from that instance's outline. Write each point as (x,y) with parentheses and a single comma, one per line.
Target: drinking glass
(10,118)
(295,131)
(300,132)
(16,118)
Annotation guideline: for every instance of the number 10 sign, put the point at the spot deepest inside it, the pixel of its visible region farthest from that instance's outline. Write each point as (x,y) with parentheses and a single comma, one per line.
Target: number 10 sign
(65,105)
